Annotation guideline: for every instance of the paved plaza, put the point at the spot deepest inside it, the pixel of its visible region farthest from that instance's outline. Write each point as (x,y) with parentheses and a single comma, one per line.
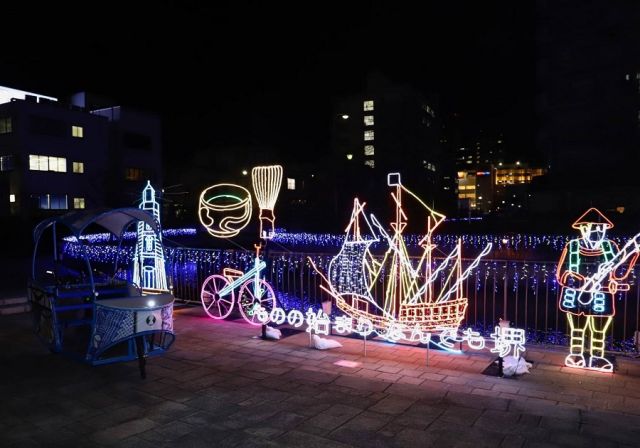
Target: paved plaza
(218,386)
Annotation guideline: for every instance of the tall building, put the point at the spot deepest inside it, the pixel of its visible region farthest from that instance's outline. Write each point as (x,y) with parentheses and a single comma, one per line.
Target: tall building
(502,187)
(512,191)
(588,95)
(475,190)
(135,148)
(386,128)
(480,150)
(57,156)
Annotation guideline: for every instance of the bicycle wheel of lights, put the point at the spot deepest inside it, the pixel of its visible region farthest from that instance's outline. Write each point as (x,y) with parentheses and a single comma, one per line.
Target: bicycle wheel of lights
(247,300)
(215,306)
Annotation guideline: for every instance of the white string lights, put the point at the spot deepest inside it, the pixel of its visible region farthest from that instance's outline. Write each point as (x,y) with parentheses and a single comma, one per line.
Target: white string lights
(409,296)
(148,261)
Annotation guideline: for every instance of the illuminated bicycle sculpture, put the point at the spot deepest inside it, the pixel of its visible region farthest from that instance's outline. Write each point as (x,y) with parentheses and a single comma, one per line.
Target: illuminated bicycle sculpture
(218,297)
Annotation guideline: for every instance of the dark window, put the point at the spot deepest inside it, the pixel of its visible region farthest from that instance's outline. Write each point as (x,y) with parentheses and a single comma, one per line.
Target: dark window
(6,163)
(47,126)
(59,202)
(136,141)
(51,201)
(6,125)
(133,174)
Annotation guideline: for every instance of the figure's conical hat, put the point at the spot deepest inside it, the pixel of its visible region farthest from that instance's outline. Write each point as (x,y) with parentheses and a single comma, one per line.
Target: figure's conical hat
(592,216)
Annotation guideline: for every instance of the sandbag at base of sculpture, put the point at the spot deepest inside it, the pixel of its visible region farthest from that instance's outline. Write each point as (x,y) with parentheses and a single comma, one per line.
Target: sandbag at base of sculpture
(273,333)
(324,344)
(512,366)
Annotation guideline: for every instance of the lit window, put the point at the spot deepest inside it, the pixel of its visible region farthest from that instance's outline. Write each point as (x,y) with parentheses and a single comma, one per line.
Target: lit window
(429,166)
(12,198)
(38,163)
(77,131)
(78,202)
(133,174)
(349,156)
(58,164)
(291,184)
(368,105)
(369,150)
(78,167)
(370,163)
(368,120)
(368,135)
(6,126)
(46,163)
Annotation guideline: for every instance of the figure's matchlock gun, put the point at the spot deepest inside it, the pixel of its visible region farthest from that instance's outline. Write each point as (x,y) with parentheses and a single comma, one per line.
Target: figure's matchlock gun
(593,284)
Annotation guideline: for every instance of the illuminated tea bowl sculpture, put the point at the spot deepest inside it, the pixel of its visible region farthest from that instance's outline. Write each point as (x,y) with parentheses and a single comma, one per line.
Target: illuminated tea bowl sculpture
(224,209)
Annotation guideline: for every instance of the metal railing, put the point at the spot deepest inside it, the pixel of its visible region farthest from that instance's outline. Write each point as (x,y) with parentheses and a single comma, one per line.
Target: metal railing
(525,293)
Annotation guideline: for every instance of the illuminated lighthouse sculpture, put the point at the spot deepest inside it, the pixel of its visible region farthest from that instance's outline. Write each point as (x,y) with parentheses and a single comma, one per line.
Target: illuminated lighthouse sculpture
(148,262)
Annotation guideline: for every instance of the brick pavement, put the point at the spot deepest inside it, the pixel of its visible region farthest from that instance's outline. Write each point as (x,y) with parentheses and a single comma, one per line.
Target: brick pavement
(219,387)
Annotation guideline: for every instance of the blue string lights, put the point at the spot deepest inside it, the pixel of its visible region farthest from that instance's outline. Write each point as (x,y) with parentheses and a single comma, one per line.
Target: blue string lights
(531,287)
(554,243)
(99,238)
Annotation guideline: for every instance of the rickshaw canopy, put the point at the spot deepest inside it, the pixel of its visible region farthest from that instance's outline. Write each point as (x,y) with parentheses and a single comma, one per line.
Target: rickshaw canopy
(115,221)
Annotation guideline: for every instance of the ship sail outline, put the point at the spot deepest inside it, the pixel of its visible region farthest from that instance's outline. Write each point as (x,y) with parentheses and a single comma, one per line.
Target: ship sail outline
(409,297)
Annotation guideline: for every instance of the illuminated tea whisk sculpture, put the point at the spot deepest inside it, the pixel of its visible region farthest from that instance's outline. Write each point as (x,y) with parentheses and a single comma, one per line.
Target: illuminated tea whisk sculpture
(225,209)
(266,186)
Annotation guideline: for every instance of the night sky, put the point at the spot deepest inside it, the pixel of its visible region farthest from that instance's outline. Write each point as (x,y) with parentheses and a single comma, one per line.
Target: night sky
(264,74)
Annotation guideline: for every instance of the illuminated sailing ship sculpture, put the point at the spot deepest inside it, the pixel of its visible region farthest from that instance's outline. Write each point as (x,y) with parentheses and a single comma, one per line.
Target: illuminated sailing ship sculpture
(148,261)
(410,304)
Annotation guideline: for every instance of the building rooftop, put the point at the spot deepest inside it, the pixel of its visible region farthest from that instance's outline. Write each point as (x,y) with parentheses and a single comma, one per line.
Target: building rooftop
(7,94)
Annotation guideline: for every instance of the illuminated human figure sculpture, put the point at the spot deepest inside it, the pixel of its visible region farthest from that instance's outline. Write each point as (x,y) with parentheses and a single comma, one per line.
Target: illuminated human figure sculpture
(588,297)
(148,266)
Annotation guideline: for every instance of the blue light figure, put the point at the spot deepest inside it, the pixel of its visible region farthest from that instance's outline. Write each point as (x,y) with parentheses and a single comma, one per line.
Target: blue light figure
(148,262)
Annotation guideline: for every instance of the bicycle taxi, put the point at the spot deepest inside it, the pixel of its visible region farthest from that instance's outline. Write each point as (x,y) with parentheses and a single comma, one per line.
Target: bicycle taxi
(83,312)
